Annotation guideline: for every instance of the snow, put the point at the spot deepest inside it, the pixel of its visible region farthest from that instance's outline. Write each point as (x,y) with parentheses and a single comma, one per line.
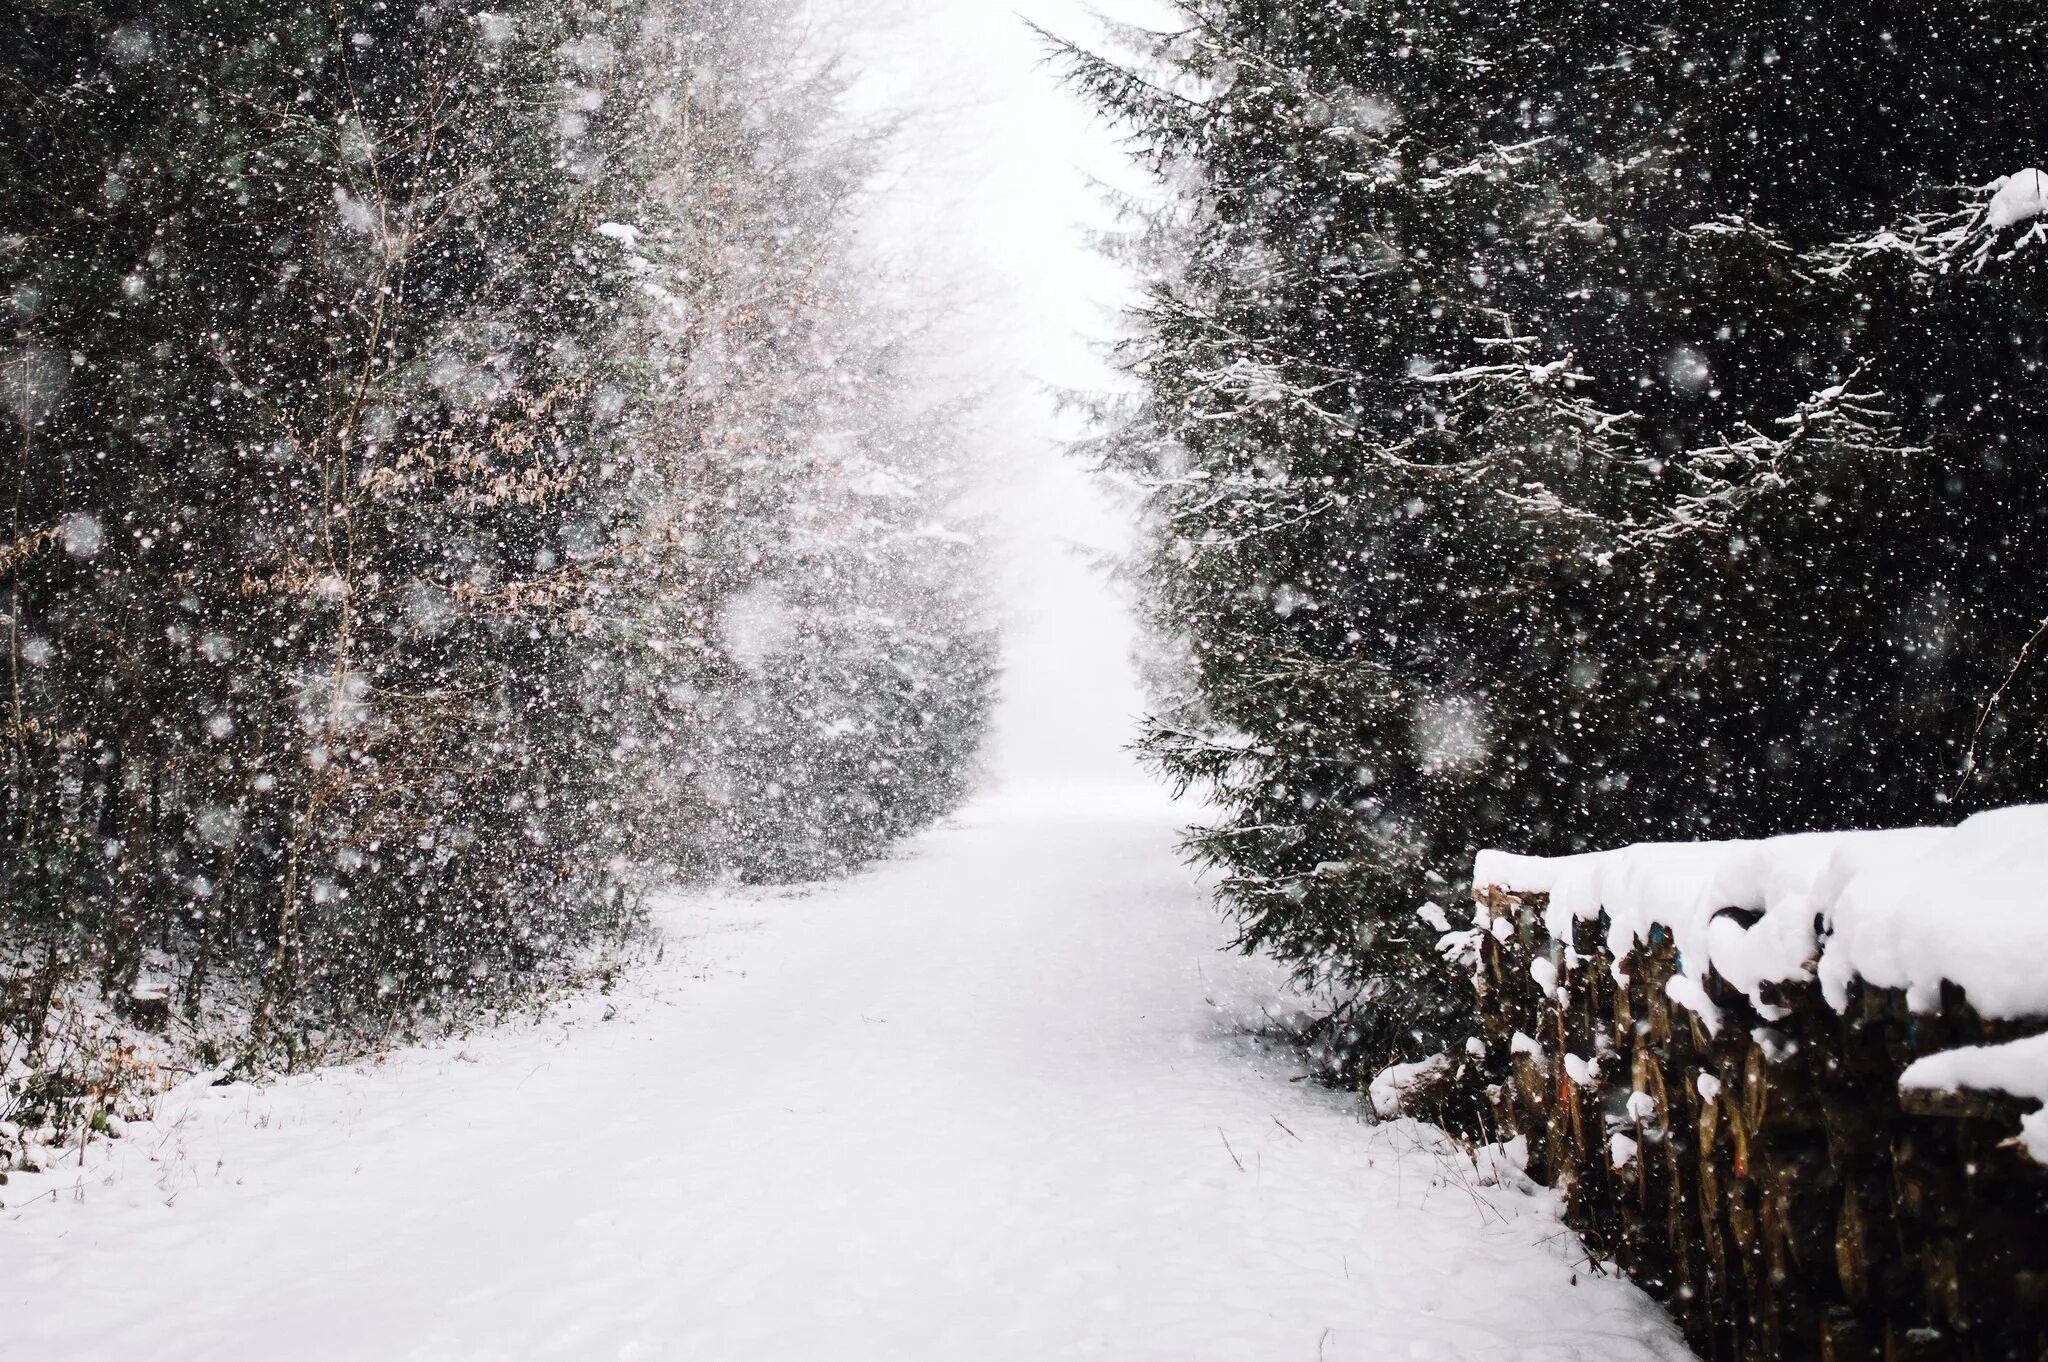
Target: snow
(1971,906)
(1906,909)
(2020,198)
(1690,994)
(2018,1067)
(992,1100)
(1389,1090)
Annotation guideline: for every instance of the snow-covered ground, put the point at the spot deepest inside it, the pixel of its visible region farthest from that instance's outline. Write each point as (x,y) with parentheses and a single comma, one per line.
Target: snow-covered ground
(994,1100)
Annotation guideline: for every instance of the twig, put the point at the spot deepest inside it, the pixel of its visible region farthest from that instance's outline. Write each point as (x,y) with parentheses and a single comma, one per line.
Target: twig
(1984,714)
(1228,1150)
(1283,1125)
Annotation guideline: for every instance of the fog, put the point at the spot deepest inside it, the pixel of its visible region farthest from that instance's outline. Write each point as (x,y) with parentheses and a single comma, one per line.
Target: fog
(989,212)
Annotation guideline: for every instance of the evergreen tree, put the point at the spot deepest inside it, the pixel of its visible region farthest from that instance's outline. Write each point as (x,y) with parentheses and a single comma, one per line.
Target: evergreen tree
(1537,457)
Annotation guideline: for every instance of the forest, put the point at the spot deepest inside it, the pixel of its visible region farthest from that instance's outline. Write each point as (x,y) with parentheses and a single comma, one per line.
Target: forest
(463,473)
(888,679)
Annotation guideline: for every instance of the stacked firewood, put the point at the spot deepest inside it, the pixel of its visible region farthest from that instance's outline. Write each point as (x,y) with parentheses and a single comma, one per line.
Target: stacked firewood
(1765,1176)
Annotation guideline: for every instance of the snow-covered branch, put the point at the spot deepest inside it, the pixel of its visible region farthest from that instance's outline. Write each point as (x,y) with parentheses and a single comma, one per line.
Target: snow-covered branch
(1492,163)
(1962,240)
(1735,472)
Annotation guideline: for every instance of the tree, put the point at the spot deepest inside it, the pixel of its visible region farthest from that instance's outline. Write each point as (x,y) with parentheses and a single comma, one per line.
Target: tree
(1535,460)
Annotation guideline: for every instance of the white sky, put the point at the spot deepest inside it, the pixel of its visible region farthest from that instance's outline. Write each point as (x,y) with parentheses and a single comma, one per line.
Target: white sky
(992,201)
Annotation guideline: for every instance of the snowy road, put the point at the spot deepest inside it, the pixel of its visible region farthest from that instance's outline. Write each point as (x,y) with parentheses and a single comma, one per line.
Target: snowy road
(972,1105)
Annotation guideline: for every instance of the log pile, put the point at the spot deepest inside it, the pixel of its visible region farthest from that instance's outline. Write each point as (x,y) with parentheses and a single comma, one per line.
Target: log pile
(1768,1181)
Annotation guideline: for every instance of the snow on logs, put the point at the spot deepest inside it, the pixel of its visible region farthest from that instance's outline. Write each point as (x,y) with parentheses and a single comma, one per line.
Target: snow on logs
(1793,1087)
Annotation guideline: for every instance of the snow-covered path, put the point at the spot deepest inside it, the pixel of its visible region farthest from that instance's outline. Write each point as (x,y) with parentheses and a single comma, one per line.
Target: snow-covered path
(989,1101)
